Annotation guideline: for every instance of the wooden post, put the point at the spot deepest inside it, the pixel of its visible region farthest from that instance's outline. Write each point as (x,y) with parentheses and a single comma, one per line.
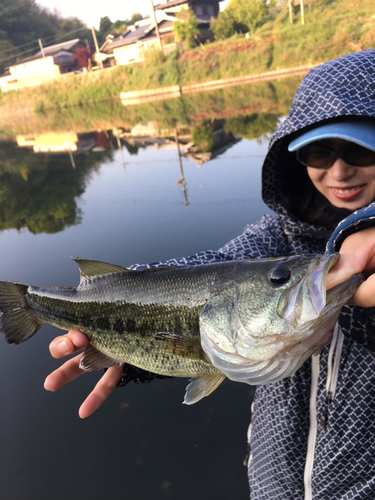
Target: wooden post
(157,27)
(302,12)
(97,47)
(41,47)
(291,10)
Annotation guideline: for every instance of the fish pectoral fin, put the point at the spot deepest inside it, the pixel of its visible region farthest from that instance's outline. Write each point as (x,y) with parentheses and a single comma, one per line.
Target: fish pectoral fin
(199,388)
(93,360)
(93,268)
(179,345)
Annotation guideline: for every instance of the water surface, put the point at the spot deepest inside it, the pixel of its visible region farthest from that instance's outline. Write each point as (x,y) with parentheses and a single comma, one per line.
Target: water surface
(121,206)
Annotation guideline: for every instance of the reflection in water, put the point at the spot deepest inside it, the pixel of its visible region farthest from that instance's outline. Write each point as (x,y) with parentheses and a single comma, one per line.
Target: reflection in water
(181,181)
(40,192)
(124,216)
(146,445)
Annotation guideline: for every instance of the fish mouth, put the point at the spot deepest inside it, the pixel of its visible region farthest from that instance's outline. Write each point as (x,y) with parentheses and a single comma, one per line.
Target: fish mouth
(306,300)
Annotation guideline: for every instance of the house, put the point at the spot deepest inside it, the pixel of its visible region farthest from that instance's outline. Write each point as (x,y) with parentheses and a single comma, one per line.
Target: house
(47,64)
(204,10)
(130,46)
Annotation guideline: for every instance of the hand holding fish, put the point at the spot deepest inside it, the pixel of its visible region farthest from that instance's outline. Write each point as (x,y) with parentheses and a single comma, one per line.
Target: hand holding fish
(66,345)
(357,255)
(253,321)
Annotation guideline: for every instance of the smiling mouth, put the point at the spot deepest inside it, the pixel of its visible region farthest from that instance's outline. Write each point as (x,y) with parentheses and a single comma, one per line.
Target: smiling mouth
(346,193)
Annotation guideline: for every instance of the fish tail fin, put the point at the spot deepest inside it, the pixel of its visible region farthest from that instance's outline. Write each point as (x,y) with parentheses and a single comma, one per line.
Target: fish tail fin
(18,321)
(200,387)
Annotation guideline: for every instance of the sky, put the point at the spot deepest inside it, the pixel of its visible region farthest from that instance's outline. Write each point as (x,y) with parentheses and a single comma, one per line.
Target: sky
(90,13)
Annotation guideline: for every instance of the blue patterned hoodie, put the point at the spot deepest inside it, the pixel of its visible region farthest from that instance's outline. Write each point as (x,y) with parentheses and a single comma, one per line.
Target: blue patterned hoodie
(312,436)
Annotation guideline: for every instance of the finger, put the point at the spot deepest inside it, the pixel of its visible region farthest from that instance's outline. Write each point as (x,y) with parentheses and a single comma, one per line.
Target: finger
(66,373)
(101,391)
(348,265)
(365,295)
(68,344)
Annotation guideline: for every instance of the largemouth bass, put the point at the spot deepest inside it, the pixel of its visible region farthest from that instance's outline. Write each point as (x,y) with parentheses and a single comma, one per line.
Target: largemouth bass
(254,321)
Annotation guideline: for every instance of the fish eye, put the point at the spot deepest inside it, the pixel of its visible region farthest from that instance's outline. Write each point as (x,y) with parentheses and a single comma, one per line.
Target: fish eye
(279,275)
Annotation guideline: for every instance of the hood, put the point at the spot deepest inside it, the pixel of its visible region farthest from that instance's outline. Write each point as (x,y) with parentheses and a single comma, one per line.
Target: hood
(342,87)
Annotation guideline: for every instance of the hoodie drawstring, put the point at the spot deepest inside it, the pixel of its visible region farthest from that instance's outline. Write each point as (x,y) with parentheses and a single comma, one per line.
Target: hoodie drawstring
(335,351)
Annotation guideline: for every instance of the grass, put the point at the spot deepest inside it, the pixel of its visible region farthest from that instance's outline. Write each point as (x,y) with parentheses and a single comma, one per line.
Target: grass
(333,28)
(268,97)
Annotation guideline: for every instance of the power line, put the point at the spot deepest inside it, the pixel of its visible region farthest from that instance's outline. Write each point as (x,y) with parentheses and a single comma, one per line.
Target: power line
(36,47)
(16,55)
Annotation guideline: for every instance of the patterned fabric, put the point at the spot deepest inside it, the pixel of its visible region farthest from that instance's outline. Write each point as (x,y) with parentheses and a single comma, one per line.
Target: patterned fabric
(344,459)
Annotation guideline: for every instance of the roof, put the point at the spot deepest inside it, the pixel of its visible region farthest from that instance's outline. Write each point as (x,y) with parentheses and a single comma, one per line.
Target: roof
(130,36)
(51,50)
(133,35)
(173,3)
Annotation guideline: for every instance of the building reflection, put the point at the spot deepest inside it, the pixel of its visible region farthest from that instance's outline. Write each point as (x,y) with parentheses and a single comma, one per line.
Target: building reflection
(199,143)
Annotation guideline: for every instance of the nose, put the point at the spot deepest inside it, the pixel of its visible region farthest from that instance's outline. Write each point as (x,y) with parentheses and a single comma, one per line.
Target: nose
(340,171)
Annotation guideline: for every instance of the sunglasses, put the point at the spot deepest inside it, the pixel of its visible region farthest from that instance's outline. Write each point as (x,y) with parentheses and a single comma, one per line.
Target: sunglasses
(316,156)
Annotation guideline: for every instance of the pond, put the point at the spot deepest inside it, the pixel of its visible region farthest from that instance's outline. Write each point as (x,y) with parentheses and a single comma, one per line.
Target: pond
(122,195)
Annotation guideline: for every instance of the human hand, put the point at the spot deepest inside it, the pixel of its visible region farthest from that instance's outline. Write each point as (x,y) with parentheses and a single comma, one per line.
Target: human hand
(357,255)
(68,344)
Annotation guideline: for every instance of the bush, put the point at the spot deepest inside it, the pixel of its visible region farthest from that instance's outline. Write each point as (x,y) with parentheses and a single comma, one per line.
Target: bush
(240,16)
(186,29)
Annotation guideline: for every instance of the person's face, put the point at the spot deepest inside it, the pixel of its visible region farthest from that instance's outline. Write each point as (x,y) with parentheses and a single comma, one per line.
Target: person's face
(345,186)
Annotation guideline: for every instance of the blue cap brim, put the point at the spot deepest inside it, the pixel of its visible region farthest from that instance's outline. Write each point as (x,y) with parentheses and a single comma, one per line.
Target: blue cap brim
(359,132)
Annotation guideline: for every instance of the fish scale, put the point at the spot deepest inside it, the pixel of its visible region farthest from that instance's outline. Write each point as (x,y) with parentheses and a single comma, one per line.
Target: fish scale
(254,321)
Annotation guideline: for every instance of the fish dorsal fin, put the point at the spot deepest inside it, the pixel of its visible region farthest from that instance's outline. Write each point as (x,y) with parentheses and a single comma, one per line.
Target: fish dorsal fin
(93,268)
(93,360)
(201,387)
(182,346)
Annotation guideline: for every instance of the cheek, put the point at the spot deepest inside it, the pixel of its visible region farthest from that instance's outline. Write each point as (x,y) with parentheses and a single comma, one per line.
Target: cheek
(317,177)
(371,189)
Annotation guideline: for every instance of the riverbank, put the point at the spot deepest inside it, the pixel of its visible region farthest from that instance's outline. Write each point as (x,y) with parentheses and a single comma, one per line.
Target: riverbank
(271,98)
(332,29)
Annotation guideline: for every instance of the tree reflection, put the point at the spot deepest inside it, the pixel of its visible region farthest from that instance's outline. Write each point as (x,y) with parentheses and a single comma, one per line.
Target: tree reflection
(39,192)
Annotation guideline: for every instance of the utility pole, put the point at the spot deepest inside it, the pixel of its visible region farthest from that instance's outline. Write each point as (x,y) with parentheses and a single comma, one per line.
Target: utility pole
(157,27)
(302,12)
(96,47)
(291,10)
(41,48)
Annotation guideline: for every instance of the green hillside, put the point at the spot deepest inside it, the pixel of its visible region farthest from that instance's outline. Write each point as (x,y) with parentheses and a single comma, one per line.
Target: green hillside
(333,28)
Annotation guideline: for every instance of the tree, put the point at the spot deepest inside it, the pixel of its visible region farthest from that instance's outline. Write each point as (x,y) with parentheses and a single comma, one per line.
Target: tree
(240,16)
(135,17)
(105,25)
(82,56)
(186,28)
(224,26)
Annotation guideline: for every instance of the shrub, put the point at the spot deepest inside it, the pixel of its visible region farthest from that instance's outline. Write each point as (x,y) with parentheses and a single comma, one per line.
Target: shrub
(186,29)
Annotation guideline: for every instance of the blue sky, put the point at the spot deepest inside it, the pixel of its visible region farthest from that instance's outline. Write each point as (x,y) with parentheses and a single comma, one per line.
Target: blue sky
(91,13)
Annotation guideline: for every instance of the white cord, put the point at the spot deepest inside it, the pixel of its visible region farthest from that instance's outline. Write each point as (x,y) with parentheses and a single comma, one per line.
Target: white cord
(336,366)
(313,428)
(330,356)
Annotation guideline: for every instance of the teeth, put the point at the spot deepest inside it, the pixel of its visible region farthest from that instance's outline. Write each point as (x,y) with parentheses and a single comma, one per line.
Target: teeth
(346,191)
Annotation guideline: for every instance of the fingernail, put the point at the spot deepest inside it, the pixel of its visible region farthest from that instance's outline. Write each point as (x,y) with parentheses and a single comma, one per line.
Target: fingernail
(63,348)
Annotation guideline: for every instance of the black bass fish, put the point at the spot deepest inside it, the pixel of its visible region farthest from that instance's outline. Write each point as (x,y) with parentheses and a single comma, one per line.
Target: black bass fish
(254,321)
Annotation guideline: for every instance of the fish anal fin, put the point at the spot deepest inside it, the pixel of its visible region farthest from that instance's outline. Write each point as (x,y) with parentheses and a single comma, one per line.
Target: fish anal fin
(94,268)
(199,388)
(179,345)
(93,360)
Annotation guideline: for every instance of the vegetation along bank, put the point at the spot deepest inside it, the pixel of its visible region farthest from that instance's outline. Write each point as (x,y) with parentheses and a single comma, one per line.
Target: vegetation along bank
(332,28)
